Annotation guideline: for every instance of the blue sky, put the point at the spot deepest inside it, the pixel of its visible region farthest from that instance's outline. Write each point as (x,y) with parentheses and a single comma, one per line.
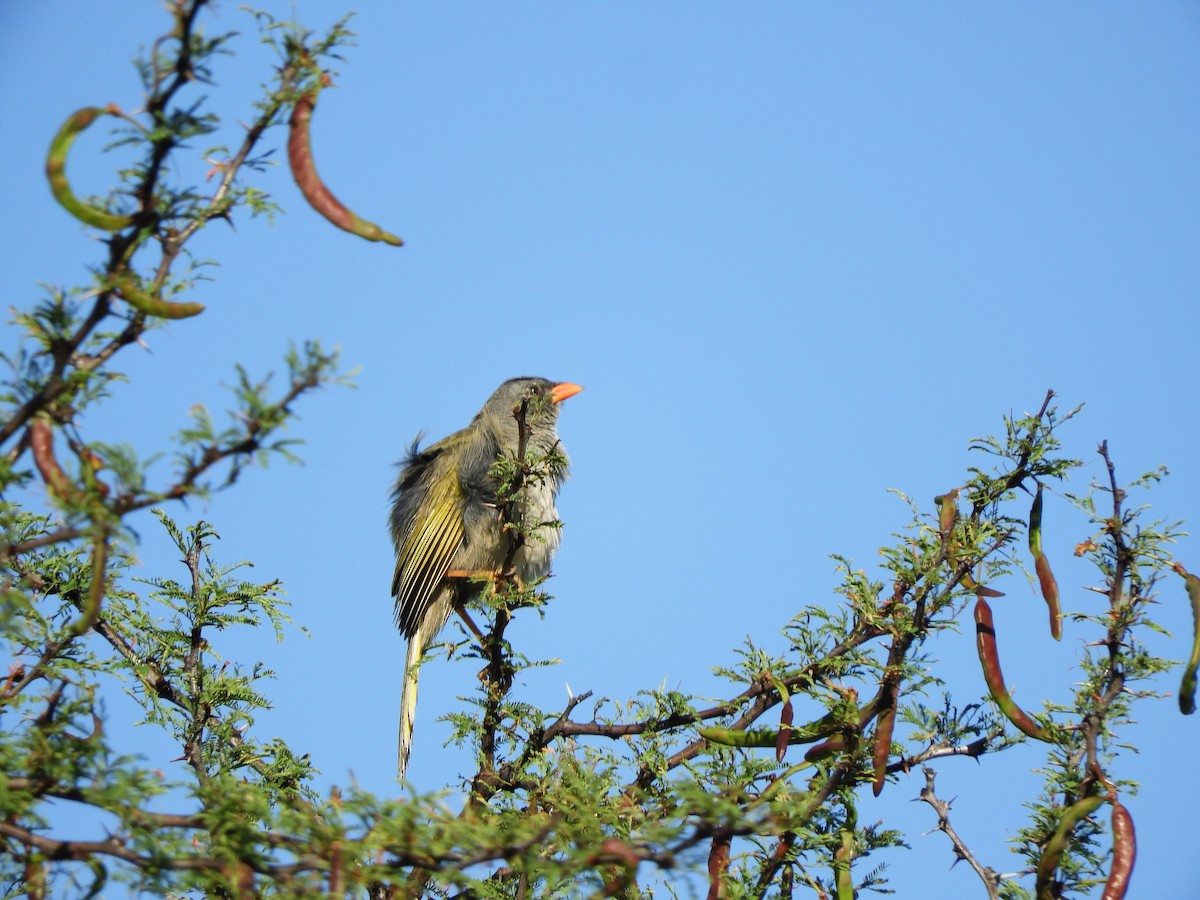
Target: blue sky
(797,254)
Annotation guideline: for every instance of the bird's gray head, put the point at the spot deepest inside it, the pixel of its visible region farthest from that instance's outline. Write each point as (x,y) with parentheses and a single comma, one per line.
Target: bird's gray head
(536,400)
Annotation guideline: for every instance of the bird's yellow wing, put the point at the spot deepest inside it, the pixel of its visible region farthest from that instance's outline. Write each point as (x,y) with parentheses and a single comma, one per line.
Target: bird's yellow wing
(432,539)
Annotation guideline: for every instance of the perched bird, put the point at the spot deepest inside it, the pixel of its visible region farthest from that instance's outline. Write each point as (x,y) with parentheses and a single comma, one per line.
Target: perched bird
(447,528)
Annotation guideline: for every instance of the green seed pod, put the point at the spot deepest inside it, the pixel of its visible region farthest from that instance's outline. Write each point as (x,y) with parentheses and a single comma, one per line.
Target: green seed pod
(1057,844)
(56,172)
(947,505)
(843,878)
(770,737)
(153,305)
(1187,687)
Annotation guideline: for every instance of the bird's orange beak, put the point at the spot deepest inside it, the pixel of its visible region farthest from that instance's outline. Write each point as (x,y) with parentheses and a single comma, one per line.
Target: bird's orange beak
(563,390)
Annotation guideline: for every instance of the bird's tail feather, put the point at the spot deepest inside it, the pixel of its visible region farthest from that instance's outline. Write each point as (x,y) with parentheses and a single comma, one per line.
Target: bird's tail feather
(408,702)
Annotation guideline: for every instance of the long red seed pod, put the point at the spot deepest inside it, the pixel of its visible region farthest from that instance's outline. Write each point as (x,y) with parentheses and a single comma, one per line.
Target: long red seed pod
(1124,853)
(319,197)
(826,748)
(785,730)
(41,443)
(989,656)
(1046,579)
(718,864)
(884,725)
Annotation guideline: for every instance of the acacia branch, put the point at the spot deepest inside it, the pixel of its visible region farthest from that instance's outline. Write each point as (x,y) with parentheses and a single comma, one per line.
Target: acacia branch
(989,876)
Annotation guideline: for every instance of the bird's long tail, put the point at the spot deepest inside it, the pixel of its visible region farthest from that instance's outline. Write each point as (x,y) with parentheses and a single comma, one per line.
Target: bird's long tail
(408,701)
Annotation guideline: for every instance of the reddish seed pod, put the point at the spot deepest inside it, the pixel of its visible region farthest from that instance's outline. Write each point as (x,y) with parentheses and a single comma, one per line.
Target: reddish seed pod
(884,726)
(882,749)
(1124,853)
(785,731)
(989,656)
(41,443)
(825,749)
(1046,579)
(319,197)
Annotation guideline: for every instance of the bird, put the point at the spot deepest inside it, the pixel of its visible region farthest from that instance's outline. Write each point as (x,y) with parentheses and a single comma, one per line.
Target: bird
(446,525)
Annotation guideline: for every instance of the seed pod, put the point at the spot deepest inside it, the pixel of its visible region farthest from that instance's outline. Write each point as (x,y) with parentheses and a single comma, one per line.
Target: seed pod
(971,584)
(56,172)
(769,737)
(826,748)
(718,864)
(1187,687)
(947,505)
(884,725)
(1057,844)
(1046,579)
(842,856)
(319,197)
(153,305)
(989,656)
(1123,855)
(41,443)
(785,731)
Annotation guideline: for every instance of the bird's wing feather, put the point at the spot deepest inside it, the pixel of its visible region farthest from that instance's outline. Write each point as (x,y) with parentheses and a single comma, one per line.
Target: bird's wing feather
(427,550)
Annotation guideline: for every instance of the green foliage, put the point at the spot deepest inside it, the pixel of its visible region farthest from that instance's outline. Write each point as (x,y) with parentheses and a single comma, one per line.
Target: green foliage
(758,793)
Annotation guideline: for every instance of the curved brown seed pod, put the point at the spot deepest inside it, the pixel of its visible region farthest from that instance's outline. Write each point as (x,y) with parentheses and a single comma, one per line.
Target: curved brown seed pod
(151,304)
(1057,844)
(56,172)
(319,197)
(989,656)
(1187,687)
(1046,579)
(41,443)
(1124,853)
(785,731)
(970,583)
(884,726)
(826,748)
